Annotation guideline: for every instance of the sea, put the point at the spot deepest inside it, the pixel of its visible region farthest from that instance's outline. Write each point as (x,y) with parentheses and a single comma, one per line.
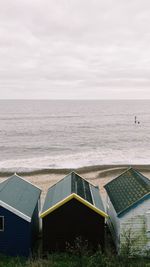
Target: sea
(55,134)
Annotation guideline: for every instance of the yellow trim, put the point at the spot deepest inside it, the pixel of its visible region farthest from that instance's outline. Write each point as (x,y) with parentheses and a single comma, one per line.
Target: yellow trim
(88,204)
(80,199)
(56,206)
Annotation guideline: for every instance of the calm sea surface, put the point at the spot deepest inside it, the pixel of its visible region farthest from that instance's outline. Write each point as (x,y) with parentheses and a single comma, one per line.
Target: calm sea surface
(60,134)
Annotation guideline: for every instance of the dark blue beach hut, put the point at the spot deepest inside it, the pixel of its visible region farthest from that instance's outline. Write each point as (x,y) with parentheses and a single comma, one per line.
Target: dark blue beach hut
(19,216)
(73,209)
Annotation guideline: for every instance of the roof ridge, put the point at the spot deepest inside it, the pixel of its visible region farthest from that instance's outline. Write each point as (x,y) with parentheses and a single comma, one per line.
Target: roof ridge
(15,174)
(70,174)
(117,177)
(11,201)
(128,169)
(8,180)
(81,177)
(72,183)
(143,177)
(61,179)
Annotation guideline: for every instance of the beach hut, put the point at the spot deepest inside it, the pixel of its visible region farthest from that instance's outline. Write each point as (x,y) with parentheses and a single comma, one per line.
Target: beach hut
(19,216)
(73,210)
(128,207)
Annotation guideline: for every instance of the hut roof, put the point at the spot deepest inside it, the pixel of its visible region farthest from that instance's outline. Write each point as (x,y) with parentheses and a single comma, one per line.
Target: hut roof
(19,196)
(127,189)
(73,186)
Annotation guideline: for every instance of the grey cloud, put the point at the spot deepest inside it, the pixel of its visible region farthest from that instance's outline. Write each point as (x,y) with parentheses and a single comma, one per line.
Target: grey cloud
(67,48)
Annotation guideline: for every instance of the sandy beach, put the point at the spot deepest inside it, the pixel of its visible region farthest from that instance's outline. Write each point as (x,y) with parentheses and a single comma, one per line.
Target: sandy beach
(97,175)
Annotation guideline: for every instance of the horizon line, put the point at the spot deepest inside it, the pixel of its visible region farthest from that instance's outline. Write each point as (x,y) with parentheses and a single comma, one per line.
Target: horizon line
(76,99)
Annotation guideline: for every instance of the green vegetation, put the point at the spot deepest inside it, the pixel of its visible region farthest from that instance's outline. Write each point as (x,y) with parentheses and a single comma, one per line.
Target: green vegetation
(79,255)
(76,259)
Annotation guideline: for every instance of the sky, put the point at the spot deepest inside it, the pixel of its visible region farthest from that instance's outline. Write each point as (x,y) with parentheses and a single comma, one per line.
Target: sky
(75,49)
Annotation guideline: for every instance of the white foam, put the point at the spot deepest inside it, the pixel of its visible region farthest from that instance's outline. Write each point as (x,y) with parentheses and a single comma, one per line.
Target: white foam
(91,158)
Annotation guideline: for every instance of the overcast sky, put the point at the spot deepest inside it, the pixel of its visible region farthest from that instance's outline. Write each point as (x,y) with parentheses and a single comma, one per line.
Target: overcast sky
(78,49)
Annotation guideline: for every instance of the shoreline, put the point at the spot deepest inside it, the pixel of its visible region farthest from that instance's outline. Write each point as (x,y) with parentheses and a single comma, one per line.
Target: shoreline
(82,170)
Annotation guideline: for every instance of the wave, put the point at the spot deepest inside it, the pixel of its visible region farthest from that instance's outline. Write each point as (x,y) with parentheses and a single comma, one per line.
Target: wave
(74,161)
(29,117)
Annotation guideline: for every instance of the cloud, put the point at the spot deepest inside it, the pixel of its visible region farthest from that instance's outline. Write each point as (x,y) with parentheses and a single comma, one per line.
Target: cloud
(74,49)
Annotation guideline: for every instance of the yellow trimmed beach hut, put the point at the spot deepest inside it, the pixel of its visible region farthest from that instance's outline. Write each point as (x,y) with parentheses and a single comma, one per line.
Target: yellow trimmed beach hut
(73,209)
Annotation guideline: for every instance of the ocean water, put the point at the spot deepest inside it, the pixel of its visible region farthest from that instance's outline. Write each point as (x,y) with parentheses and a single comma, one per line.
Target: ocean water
(36,134)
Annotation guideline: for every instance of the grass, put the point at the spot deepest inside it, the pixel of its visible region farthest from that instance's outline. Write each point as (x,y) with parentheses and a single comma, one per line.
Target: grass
(78,255)
(86,259)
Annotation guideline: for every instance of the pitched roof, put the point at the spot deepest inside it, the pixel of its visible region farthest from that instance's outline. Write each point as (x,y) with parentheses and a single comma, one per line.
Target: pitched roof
(73,186)
(127,189)
(19,196)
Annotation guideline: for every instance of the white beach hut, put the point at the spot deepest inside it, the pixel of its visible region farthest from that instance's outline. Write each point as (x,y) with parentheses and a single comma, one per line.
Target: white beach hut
(128,207)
